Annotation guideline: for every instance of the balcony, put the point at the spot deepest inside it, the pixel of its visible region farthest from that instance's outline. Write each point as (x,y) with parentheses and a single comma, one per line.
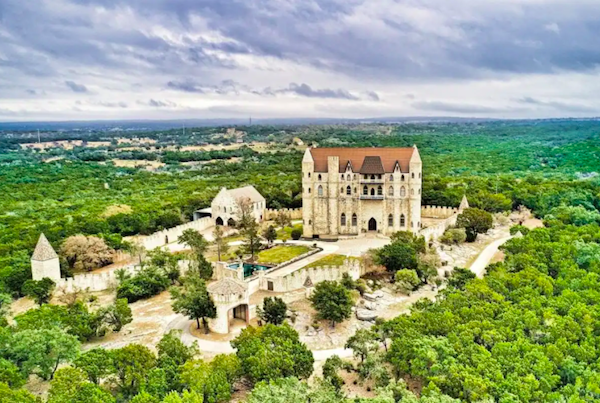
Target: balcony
(372,181)
(371,197)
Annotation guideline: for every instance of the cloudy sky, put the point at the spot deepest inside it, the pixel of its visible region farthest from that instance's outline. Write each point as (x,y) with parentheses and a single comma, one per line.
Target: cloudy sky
(169,59)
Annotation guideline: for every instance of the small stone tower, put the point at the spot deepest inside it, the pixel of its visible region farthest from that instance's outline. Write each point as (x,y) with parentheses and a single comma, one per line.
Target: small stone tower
(464,204)
(44,262)
(415,182)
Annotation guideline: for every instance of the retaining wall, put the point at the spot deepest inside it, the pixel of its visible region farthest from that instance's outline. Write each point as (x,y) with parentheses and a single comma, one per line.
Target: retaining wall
(296,280)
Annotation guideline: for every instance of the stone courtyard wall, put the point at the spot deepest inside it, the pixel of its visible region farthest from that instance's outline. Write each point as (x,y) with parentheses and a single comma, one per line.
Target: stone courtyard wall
(296,280)
(295,214)
(161,238)
(94,282)
(438,211)
(437,230)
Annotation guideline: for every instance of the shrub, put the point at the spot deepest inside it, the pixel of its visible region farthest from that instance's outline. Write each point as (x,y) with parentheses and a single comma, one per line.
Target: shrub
(519,228)
(296,234)
(407,280)
(144,284)
(454,236)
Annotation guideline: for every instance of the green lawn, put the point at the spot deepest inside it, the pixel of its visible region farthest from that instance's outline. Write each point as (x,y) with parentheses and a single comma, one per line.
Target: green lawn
(330,260)
(282,253)
(286,233)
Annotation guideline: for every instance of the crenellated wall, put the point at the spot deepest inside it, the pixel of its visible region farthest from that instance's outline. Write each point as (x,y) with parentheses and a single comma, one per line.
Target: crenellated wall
(438,211)
(94,282)
(297,279)
(161,238)
(437,230)
(294,214)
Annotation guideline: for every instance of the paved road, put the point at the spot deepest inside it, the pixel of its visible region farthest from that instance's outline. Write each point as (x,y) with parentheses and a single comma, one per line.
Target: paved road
(483,260)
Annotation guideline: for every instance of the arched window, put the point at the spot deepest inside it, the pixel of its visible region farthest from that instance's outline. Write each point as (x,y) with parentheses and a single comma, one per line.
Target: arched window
(378,176)
(348,191)
(355,190)
(342,177)
(402,221)
(390,220)
(343,220)
(365,190)
(372,176)
(348,177)
(419,191)
(379,191)
(391,191)
(391,177)
(320,191)
(319,177)
(354,220)
(308,190)
(341,191)
(412,224)
(419,175)
(372,191)
(402,191)
(413,175)
(354,176)
(402,178)
(412,192)
(309,174)
(309,222)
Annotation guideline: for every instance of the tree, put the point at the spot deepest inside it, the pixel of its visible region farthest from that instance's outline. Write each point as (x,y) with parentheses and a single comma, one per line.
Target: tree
(194,240)
(193,301)
(406,237)
(270,234)
(9,395)
(272,352)
(40,291)
(206,380)
(41,351)
(10,375)
(166,262)
(70,385)
(273,311)
(86,252)
(115,316)
(454,236)
(397,256)
(5,302)
(362,343)
(474,221)
(330,372)
(282,219)
(407,280)
(460,277)
(132,364)
(147,282)
(136,249)
(220,242)
(285,390)
(96,363)
(296,234)
(248,227)
(332,301)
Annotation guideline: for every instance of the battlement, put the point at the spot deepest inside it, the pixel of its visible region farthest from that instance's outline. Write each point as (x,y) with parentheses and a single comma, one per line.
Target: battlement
(438,211)
(167,236)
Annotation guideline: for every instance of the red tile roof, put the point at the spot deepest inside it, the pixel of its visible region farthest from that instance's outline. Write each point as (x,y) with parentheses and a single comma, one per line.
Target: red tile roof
(356,156)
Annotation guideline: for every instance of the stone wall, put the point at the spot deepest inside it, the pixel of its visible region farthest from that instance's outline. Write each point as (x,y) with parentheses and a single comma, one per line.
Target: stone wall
(438,212)
(437,230)
(296,280)
(94,282)
(161,238)
(294,214)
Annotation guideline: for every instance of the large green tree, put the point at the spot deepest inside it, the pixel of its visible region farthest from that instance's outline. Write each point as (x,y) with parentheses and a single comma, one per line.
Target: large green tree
(193,301)
(332,301)
(474,221)
(272,352)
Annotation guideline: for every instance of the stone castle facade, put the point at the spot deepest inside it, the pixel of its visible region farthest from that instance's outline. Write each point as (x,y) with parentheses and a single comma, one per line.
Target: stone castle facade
(350,191)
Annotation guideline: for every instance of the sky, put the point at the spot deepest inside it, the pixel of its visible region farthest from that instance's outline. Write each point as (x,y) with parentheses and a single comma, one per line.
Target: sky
(195,59)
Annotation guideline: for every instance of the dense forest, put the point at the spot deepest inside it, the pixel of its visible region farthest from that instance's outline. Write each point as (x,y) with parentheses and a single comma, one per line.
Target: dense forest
(528,332)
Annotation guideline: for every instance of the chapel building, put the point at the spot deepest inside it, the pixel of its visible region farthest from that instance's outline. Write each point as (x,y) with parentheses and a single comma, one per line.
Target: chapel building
(352,191)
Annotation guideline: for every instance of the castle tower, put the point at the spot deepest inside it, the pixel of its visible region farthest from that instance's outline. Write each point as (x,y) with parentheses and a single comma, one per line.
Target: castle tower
(464,204)
(415,185)
(44,261)
(308,169)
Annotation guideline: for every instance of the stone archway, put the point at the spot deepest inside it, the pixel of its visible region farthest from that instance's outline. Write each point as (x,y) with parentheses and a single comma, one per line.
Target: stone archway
(372,224)
(219,221)
(231,222)
(238,316)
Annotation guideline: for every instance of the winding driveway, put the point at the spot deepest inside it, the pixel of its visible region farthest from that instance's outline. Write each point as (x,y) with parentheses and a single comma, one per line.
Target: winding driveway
(486,255)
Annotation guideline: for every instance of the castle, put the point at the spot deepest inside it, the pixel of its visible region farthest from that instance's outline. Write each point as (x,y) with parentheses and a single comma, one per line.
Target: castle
(349,191)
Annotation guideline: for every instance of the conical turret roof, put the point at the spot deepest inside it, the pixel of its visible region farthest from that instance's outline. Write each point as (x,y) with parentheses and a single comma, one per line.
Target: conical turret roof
(43,250)
(464,203)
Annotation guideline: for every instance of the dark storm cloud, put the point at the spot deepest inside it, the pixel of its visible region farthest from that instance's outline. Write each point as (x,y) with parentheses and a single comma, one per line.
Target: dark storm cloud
(76,87)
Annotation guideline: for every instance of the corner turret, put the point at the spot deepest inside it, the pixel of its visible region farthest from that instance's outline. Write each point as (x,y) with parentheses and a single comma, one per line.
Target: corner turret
(44,261)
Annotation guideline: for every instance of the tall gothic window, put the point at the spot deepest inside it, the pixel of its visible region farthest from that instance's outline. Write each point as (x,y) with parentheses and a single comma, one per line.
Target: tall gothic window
(348,177)
(320,191)
(379,191)
(341,191)
(372,176)
(390,220)
(402,178)
(348,190)
(413,175)
(372,191)
(391,191)
(402,221)
(354,220)
(319,177)
(365,190)
(402,191)
(412,192)
(343,220)
(391,177)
